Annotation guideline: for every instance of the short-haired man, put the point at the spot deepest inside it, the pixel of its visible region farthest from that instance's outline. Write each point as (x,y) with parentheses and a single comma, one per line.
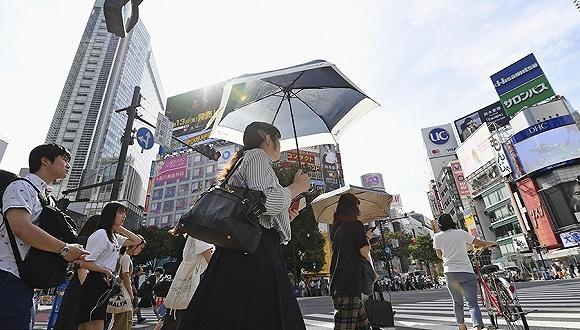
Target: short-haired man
(21,208)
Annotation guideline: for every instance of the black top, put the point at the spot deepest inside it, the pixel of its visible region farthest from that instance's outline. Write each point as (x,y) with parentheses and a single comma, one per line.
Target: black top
(345,268)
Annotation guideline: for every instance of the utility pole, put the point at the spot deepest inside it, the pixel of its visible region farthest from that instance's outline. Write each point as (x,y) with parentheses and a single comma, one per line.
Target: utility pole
(131,112)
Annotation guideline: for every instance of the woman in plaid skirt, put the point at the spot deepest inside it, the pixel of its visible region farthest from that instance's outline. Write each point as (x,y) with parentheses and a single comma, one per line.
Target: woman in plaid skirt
(350,246)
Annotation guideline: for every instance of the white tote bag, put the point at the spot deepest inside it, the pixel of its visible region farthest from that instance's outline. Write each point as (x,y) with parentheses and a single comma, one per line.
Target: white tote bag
(186,278)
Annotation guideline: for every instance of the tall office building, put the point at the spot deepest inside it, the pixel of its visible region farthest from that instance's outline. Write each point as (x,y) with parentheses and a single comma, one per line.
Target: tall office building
(101,80)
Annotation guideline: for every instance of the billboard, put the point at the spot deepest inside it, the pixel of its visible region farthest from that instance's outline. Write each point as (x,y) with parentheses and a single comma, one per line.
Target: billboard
(460,180)
(493,115)
(306,157)
(373,181)
(521,85)
(190,112)
(526,95)
(439,140)
(330,171)
(563,201)
(476,151)
(171,169)
(570,238)
(546,145)
(396,202)
(516,74)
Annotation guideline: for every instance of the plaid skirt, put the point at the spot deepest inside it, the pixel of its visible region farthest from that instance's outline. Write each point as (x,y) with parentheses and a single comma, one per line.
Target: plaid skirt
(350,314)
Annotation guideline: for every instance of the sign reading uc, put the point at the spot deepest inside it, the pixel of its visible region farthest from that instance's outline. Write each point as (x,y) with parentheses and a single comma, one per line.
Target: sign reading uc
(145,138)
(439,136)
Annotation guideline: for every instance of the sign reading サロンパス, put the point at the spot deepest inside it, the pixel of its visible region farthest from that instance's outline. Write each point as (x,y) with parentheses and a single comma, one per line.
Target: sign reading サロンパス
(521,85)
(526,95)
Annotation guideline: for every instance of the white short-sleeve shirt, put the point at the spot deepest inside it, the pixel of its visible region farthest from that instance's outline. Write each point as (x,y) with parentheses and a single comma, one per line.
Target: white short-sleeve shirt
(102,251)
(19,195)
(453,244)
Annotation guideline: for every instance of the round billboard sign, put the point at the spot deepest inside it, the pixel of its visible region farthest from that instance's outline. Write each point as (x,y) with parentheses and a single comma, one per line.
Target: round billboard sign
(439,136)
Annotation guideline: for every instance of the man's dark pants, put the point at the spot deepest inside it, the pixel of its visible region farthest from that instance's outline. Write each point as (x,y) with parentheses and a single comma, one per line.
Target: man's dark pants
(15,302)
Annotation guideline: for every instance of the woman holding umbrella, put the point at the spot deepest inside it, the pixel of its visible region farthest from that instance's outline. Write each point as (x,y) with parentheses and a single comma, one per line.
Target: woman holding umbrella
(350,244)
(252,291)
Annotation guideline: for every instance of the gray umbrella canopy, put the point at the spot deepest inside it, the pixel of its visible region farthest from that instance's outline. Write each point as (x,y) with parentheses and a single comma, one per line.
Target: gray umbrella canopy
(311,104)
(374,204)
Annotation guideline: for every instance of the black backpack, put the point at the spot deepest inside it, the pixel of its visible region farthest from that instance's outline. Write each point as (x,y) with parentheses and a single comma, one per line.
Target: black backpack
(41,269)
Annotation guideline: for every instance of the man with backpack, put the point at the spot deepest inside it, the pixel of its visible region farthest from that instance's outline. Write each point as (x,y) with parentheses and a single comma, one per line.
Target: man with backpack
(21,210)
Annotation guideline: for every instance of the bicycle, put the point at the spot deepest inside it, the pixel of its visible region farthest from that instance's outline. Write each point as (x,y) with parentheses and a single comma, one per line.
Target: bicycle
(498,294)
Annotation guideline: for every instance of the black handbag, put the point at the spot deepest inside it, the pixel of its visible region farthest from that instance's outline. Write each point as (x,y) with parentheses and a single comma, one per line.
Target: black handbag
(380,312)
(368,277)
(227,216)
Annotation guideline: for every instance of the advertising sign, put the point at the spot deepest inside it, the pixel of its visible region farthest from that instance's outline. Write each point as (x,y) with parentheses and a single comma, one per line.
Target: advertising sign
(305,157)
(470,224)
(493,115)
(546,145)
(330,172)
(396,202)
(460,180)
(563,200)
(373,181)
(475,151)
(439,140)
(500,155)
(536,211)
(570,238)
(171,169)
(190,112)
(516,74)
(526,95)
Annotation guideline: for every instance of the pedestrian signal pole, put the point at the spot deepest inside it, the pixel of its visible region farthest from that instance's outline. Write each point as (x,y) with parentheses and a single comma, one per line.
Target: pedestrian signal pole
(127,140)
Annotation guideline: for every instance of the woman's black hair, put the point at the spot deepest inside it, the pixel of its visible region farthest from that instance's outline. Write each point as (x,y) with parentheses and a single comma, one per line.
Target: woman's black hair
(108,217)
(446,222)
(347,208)
(254,136)
(49,151)
(90,226)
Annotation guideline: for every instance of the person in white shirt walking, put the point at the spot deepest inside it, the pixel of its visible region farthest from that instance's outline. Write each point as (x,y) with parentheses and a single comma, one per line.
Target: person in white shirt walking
(104,246)
(450,244)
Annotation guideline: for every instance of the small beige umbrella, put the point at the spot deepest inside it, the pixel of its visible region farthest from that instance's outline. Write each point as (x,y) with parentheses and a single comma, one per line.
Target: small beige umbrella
(374,204)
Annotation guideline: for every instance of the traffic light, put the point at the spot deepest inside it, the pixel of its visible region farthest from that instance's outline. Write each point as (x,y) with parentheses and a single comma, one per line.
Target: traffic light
(209,152)
(121,15)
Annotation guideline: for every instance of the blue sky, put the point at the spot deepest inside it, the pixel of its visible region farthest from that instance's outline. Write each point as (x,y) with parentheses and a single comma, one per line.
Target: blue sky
(425,62)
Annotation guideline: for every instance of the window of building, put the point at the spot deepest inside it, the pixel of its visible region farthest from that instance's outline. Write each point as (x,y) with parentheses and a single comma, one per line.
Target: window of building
(196,171)
(157,194)
(154,208)
(168,206)
(496,197)
(68,140)
(165,219)
(183,189)
(195,186)
(197,158)
(209,169)
(152,221)
(181,203)
(170,192)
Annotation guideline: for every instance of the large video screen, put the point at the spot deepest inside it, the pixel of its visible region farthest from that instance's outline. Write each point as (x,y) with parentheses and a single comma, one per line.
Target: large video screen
(564,203)
(550,148)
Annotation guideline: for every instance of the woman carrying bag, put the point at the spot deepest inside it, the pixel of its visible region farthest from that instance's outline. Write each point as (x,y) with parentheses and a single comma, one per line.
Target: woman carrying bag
(196,256)
(244,291)
(350,249)
(104,246)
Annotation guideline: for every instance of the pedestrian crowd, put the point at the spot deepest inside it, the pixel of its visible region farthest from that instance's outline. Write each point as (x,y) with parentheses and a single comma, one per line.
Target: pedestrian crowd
(105,290)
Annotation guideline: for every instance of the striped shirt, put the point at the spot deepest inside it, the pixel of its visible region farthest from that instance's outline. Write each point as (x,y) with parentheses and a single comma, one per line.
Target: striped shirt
(255,172)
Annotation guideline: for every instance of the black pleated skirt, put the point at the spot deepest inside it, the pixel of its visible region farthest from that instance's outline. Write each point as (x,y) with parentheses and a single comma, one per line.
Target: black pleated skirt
(245,292)
(93,298)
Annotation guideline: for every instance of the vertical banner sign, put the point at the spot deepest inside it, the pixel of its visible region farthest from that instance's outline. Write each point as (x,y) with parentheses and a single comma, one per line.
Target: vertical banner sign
(329,167)
(460,180)
(164,130)
(500,156)
(521,85)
